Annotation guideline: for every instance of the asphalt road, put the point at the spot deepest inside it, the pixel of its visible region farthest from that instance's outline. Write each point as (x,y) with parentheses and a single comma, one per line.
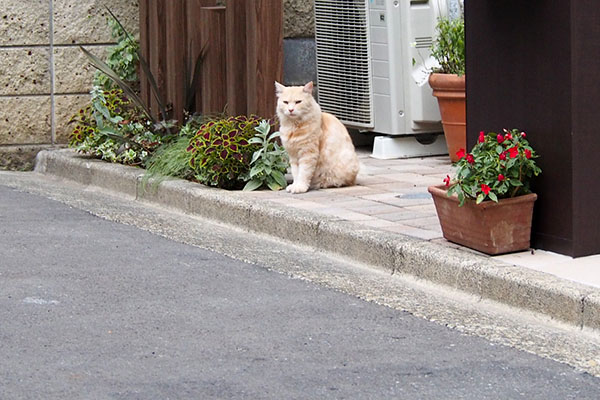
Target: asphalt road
(93,309)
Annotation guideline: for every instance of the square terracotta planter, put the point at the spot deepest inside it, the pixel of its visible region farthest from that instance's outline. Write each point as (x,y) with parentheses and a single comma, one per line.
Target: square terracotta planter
(490,227)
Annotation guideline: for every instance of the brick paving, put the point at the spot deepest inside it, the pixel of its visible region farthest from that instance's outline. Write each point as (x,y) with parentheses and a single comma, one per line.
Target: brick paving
(390,195)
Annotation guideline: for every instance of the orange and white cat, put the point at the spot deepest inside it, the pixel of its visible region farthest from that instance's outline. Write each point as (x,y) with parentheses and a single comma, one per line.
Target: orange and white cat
(319,147)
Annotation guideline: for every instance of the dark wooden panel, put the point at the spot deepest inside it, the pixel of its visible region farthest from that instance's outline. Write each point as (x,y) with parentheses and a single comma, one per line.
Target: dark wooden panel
(157,55)
(194,45)
(175,50)
(144,49)
(585,48)
(264,31)
(236,57)
(214,81)
(174,33)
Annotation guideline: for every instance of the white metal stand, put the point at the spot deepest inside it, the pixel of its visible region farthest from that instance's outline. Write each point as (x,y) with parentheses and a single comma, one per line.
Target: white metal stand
(386,147)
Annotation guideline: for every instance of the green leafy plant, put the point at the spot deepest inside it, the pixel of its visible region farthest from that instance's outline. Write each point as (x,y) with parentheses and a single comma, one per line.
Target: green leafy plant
(499,166)
(449,46)
(269,163)
(114,129)
(222,152)
(122,58)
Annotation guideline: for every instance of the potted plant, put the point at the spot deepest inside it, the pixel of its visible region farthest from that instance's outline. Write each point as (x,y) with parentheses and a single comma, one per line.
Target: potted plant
(448,81)
(488,206)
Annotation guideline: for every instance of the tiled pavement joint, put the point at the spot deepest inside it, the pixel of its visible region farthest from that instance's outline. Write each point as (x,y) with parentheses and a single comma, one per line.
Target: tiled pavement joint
(391,252)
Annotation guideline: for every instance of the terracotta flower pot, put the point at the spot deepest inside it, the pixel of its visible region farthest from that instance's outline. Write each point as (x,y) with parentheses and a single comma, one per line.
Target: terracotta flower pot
(490,227)
(450,92)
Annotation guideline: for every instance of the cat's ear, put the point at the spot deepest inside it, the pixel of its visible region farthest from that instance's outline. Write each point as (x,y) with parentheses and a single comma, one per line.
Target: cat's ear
(278,88)
(308,88)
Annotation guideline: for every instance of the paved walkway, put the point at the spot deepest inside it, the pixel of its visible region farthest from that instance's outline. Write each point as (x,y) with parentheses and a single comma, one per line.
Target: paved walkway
(391,195)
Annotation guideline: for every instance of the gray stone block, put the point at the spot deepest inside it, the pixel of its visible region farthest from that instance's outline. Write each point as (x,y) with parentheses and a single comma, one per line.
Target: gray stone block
(70,167)
(115,177)
(175,194)
(535,291)
(25,120)
(25,70)
(24,22)
(89,171)
(295,226)
(357,243)
(72,70)
(84,21)
(298,18)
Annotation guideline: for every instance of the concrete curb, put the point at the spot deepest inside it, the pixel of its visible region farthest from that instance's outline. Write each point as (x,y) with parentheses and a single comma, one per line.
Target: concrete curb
(483,276)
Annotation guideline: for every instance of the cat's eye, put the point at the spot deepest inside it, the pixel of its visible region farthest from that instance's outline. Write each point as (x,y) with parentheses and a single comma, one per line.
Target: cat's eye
(285,102)
(298,101)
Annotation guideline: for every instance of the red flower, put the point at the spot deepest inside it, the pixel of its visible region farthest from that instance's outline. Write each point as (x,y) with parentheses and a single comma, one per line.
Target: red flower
(508,136)
(527,153)
(514,152)
(500,177)
(503,156)
(460,153)
(447,180)
(523,134)
(485,188)
(500,138)
(470,159)
(481,137)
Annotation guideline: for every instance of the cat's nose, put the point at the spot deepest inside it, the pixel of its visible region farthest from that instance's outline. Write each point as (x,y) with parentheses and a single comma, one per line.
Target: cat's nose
(291,110)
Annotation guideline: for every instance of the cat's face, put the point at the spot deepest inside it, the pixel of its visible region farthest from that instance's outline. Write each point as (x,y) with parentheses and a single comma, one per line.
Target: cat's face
(294,101)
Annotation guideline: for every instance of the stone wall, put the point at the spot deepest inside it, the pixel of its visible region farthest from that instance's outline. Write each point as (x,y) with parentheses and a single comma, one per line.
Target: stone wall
(298,18)
(44,77)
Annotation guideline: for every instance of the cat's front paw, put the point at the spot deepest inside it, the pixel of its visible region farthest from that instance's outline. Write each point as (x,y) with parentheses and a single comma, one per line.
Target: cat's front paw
(297,188)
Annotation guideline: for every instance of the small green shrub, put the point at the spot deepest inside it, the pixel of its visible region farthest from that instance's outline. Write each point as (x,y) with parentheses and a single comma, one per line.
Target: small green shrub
(222,152)
(113,129)
(449,46)
(122,58)
(269,163)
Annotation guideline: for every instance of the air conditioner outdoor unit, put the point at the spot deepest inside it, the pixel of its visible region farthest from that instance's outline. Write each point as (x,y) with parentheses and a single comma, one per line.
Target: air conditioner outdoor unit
(371,62)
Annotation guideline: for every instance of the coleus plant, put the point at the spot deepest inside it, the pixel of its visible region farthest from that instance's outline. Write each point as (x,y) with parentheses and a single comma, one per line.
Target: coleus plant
(499,166)
(222,151)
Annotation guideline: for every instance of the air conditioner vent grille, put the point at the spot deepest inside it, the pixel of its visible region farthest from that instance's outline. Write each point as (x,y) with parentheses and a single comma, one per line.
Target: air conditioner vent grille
(423,42)
(343,60)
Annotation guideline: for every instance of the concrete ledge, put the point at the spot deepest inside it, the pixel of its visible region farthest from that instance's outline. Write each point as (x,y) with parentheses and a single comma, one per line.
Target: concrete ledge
(88,171)
(480,275)
(591,311)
